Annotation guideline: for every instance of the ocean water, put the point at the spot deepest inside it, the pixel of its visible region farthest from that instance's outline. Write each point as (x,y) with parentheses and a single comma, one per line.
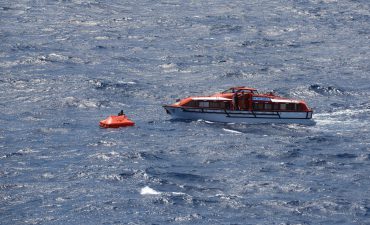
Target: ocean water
(66,65)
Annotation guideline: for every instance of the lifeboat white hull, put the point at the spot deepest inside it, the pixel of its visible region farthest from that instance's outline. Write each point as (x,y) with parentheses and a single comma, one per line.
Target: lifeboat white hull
(235,116)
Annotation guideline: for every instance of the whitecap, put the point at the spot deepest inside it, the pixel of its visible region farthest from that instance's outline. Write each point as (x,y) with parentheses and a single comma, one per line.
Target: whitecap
(83,23)
(149,191)
(60,199)
(170,67)
(106,156)
(27,151)
(232,131)
(47,175)
(102,38)
(343,117)
(129,82)
(187,217)
(177,193)
(82,103)
(54,57)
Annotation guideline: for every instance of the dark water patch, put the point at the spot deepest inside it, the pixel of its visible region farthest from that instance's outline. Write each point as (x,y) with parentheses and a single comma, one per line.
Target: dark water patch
(260,155)
(293,203)
(290,154)
(177,176)
(338,105)
(224,29)
(248,43)
(101,47)
(294,45)
(267,170)
(363,32)
(323,139)
(327,90)
(195,188)
(127,174)
(365,105)
(346,156)
(150,155)
(10,155)
(9,186)
(101,84)
(265,43)
(316,42)
(187,177)
(318,139)
(127,59)
(5,8)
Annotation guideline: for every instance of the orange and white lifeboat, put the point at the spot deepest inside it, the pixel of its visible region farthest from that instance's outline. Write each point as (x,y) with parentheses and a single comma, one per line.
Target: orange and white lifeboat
(242,105)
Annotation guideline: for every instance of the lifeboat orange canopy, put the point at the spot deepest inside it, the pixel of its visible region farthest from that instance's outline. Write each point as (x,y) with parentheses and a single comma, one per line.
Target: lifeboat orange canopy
(116,122)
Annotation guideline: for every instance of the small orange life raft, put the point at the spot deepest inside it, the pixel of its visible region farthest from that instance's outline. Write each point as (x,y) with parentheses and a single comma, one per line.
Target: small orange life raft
(116,122)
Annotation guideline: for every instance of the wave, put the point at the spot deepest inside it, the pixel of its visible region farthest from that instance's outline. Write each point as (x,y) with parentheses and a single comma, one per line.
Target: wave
(101,84)
(84,103)
(343,117)
(149,191)
(232,131)
(327,90)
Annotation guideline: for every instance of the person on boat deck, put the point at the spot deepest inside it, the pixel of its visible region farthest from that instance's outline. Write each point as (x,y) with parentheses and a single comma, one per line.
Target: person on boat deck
(227,105)
(235,101)
(121,113)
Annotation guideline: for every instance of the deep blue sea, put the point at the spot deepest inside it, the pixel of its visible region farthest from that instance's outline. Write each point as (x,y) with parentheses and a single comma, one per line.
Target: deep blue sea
(67,64)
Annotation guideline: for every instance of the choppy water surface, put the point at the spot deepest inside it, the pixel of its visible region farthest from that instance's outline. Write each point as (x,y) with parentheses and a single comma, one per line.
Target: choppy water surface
(65,65)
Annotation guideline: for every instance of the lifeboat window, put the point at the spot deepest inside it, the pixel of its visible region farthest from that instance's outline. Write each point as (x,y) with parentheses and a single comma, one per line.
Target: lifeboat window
(192,104)
(283,106)
(217,105)
(301,107)
(204,104)
(268,106)
(257,106)
(291,106)
(275,106)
